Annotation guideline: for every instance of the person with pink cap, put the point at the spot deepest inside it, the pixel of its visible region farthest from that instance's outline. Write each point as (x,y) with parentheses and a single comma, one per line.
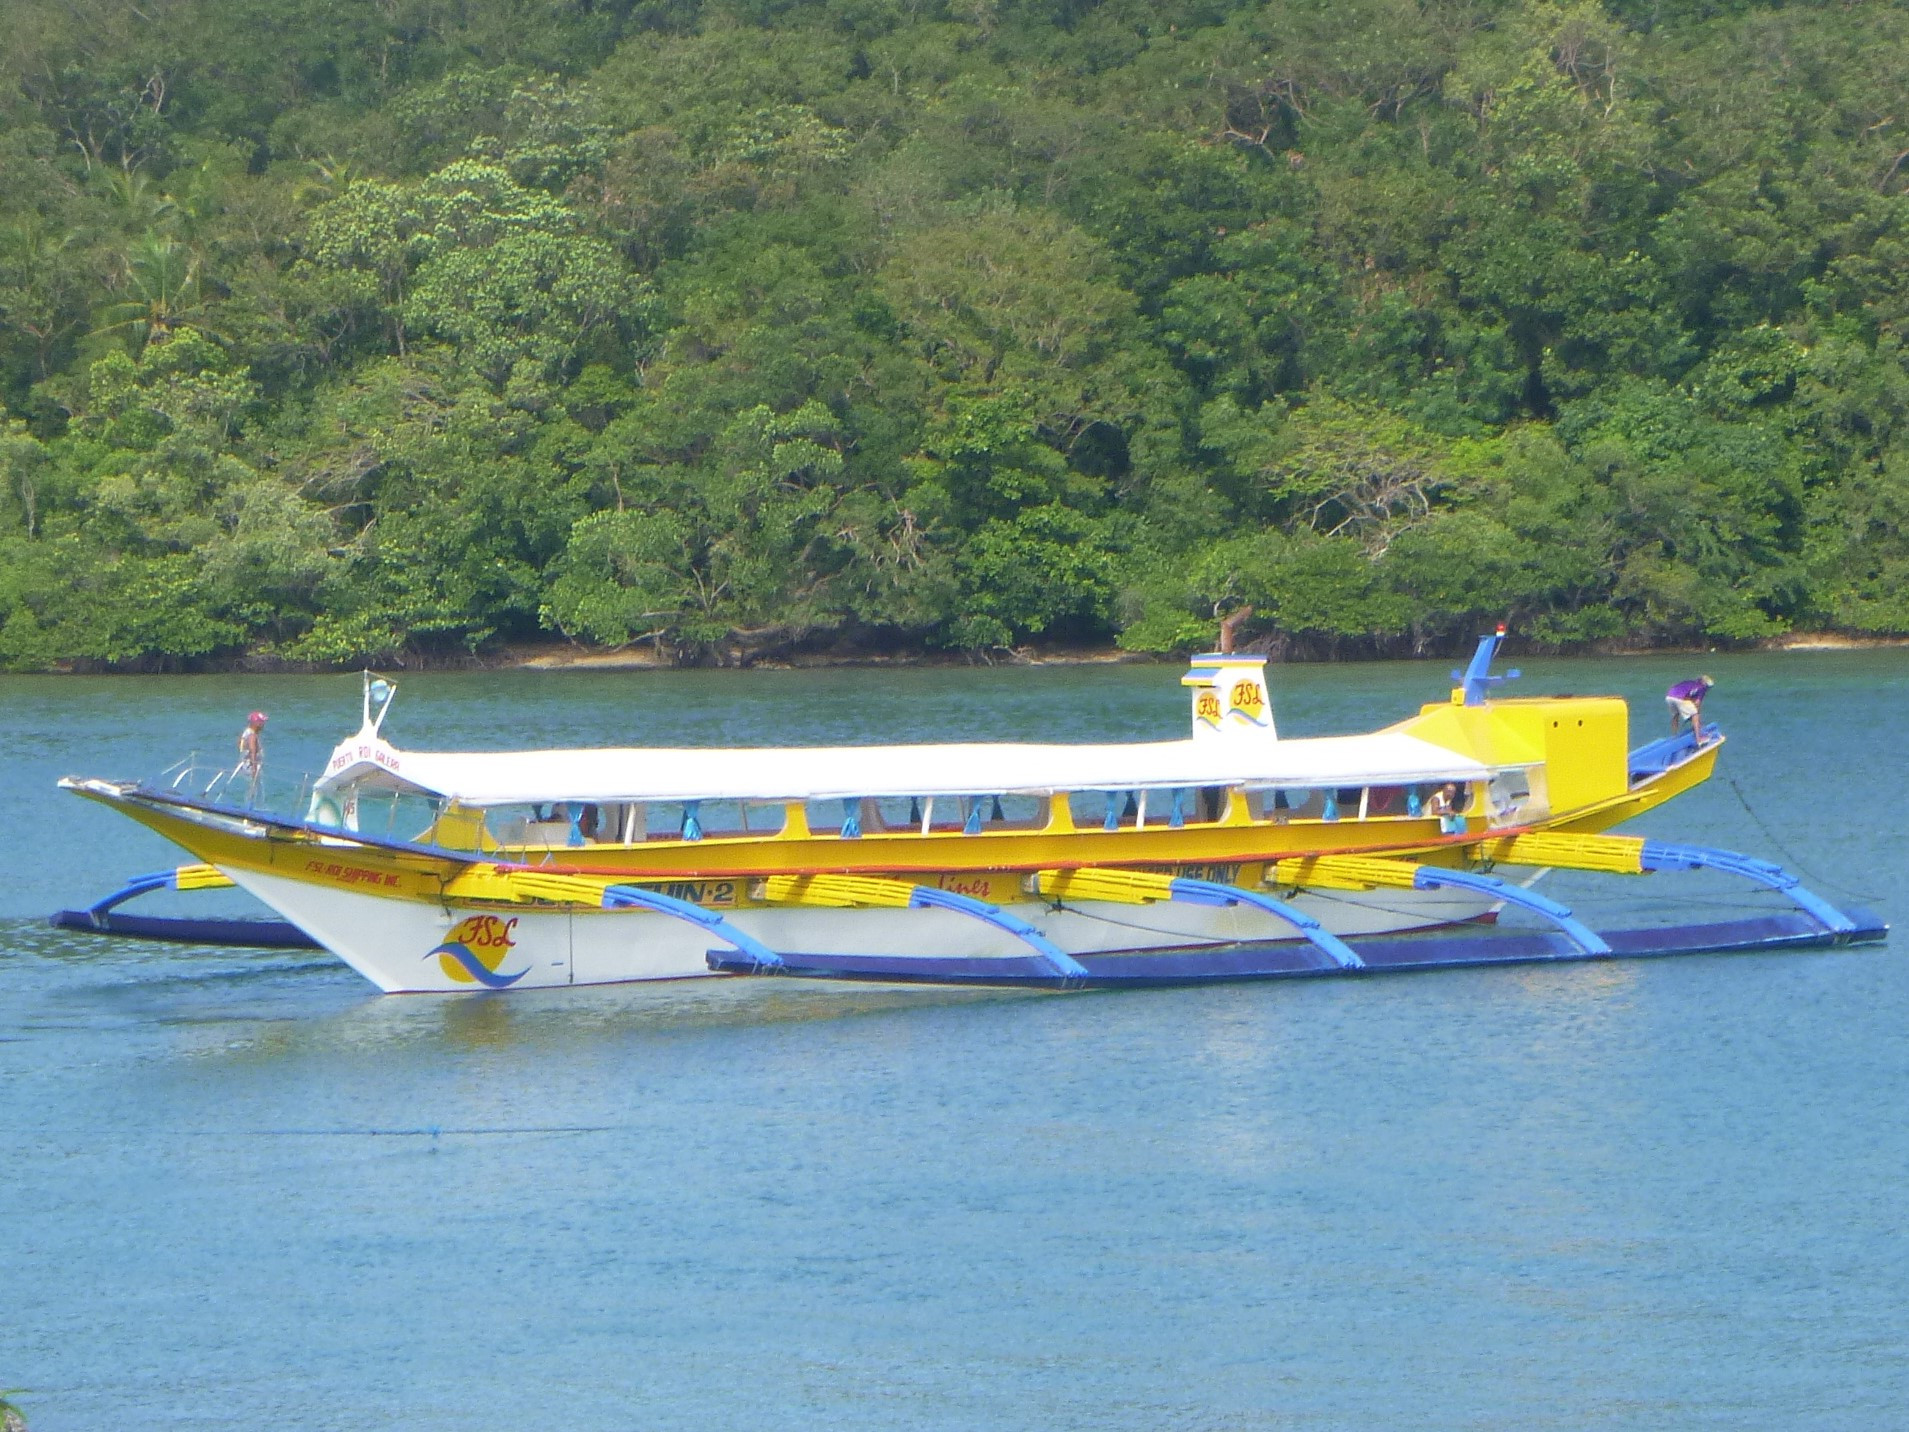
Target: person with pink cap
(252,754)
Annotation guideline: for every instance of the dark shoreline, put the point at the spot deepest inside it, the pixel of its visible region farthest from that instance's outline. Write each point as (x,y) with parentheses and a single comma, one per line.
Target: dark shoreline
(563,656)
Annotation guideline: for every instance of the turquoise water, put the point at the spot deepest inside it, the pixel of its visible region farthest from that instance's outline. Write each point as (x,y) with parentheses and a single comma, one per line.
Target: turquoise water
(239,1190)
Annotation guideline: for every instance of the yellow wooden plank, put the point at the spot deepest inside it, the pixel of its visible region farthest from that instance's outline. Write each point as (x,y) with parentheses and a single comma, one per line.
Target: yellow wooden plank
(1563,850)
(487,882)
(1344,872)
(1131,887)
(840,892)
(199,877)
(559,889)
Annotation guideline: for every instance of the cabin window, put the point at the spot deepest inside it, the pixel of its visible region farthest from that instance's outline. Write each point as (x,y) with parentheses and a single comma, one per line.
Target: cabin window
(1310,803)
(953,814)
(852,817)
(1508,794)
(1292,804)
(1103,810)
(978,814)
(706,820)
(1016,812)
(1167,808)
(395,815)
(529,825)
(1338,803)
(561,824)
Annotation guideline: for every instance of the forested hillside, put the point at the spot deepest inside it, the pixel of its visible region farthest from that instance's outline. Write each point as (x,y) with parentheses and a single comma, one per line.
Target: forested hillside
(335,330)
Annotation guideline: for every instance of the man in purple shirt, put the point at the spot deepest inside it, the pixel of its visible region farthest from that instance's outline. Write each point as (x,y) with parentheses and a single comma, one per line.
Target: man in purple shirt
(1686,702)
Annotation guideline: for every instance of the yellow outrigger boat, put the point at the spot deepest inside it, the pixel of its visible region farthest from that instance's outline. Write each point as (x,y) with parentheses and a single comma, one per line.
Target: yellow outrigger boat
(1230,854)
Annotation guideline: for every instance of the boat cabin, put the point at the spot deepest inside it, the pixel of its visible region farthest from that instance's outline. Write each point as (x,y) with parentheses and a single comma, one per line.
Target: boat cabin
(1233,770)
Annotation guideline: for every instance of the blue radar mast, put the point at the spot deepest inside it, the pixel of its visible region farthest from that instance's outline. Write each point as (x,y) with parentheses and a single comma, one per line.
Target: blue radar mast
(1476,681)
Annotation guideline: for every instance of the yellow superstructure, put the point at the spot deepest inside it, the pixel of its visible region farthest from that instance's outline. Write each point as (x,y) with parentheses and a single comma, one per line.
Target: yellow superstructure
(1578,746)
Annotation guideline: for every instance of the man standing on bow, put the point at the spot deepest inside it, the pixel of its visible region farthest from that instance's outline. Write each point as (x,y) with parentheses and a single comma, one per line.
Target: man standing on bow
(252,754)
(1686,702)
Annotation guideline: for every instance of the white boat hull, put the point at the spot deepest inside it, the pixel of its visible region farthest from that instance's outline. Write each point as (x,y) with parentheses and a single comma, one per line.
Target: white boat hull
(415,947)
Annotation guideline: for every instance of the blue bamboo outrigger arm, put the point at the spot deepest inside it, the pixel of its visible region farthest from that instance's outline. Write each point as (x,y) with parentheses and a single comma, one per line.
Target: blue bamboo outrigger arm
(1212,892)
(104,917)
(1433,877)
(138,885)
(919,897)
(1064,964)
(632,897)
(1669,855)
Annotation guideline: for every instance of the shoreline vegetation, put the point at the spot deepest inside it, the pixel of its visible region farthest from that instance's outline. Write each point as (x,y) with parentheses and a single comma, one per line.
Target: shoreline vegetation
(754,333)
(566,657)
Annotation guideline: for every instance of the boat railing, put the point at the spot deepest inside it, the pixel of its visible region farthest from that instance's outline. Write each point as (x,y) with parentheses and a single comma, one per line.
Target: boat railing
(231,785)
(1655,757)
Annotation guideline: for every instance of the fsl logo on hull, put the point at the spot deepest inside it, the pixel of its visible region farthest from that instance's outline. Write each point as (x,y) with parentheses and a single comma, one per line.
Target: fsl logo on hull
(474,951)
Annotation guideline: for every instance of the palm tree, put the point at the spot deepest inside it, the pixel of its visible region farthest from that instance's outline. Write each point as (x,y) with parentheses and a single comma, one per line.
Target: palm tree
(138,200)
(162,293)
(329,178)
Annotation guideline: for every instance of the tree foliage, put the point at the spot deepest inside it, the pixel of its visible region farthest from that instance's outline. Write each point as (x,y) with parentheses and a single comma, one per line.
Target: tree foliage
(378,327)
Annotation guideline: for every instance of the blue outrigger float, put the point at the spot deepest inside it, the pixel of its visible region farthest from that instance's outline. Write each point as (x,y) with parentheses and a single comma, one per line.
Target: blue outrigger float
(1384,954)
(1261,858)
(1813,923)
(104,917)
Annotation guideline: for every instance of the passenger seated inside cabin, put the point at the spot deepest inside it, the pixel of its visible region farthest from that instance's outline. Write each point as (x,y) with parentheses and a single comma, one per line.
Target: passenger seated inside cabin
(589,820)
(1445,804)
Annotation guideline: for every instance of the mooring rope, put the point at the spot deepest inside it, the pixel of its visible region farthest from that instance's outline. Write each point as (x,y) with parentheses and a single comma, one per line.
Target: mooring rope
(1789,855)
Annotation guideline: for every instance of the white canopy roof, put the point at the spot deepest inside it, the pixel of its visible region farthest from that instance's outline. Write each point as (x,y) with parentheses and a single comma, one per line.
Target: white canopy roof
(804,773)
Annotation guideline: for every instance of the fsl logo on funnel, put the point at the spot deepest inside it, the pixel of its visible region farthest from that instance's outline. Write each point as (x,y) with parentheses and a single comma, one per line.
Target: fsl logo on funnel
(475,949)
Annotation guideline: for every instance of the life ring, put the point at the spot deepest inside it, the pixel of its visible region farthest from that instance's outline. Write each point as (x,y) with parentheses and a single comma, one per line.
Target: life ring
(1380,800)
(325,812)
